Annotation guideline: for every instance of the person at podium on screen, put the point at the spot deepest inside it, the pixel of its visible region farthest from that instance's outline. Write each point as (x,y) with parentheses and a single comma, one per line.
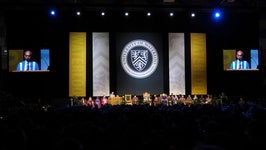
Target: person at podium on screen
(27,64)
(239,63)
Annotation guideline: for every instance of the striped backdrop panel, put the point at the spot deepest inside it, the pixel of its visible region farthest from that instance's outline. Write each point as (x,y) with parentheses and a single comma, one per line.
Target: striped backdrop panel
(100,62)
(176,63)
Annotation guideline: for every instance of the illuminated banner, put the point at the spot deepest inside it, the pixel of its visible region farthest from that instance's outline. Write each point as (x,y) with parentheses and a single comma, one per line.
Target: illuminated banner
(77,64)
(177,72)
(198,64)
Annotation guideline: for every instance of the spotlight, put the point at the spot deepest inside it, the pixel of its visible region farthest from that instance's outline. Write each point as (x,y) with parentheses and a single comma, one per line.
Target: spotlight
(78,13)
(192,14)
(126,13)
(217,15)
(52,12)
(171,14)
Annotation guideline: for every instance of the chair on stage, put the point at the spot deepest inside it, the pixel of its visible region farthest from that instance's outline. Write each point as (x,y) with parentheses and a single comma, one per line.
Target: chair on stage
(128,99)
(147,98)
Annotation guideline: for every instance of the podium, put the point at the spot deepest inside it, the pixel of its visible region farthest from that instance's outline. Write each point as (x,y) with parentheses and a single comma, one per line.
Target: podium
(187,102)
(114,100)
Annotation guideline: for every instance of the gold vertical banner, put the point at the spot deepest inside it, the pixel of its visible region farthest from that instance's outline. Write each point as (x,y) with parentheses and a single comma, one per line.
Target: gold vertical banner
(198,64)
(228,56)
(77,64)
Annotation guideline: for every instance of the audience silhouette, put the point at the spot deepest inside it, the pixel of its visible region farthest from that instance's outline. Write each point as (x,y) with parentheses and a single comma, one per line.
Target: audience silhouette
(133,127)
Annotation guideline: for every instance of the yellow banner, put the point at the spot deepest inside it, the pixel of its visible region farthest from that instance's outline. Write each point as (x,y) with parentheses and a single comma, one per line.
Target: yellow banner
(198,64)
(77,64)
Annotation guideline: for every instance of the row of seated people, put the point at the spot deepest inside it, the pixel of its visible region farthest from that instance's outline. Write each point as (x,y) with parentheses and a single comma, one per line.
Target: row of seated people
(146,98)
(164,99)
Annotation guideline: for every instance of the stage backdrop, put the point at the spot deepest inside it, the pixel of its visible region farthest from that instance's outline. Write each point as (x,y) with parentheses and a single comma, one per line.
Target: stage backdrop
(139,63)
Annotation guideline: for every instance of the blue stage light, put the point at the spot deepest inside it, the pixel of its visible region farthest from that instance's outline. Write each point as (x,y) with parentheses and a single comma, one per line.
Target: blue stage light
(52,12)
(217,15)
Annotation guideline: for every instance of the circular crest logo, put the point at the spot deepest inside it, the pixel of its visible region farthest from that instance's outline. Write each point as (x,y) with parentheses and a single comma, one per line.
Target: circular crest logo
(139,58)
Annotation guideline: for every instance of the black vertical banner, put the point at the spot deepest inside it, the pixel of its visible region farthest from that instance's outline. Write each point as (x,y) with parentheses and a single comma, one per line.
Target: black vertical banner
(139,63)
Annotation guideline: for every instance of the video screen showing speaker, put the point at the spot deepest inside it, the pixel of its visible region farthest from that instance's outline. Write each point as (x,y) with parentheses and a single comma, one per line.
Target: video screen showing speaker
(241,59)
(24,60)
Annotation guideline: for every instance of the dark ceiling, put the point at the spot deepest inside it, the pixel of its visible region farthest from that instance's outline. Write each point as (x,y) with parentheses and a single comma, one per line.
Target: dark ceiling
(246,4)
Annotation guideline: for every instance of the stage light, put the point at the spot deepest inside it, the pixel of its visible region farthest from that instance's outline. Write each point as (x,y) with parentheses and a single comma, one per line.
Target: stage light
(126,13)
(103,13)
(52,12)
(217,15)
(171,14)
(192,14)
(78,13)
(148,14)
